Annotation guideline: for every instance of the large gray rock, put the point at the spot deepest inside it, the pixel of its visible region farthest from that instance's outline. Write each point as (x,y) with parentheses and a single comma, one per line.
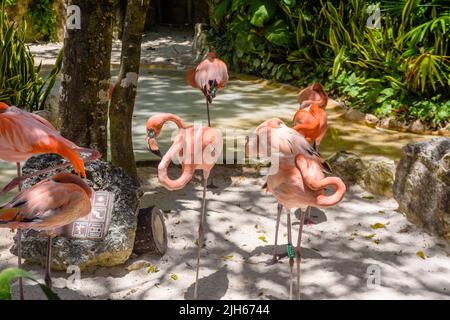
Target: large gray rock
(379,176)
(116,247)
(348,166)
(370,120)
(422,185)
(354,115)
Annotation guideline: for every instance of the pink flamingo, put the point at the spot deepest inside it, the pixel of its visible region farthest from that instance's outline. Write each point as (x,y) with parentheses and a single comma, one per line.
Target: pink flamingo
(197,148)
(210,76)
(311,119)
(298,181)
(24,134)
(47,206)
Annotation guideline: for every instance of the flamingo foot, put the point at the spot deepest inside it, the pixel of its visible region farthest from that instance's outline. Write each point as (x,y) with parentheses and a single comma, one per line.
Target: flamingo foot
(309,222)
(272,261)
(211,185)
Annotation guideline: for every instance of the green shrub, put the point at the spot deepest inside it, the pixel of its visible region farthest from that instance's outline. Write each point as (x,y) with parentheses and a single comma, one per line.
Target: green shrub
(21,82)
(401,69)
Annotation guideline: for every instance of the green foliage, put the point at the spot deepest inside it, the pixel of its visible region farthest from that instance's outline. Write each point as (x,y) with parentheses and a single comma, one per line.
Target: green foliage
(399,69)
(10,274)
(21,83)
(43,19)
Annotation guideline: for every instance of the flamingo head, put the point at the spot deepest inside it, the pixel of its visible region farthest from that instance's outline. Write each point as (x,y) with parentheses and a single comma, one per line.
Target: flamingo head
(153,131)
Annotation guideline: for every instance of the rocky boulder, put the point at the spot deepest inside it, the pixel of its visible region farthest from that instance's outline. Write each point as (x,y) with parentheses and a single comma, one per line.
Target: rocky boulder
(422,185)
(354,115)
(116,247)
(348,166)
(370,120)
(379,176)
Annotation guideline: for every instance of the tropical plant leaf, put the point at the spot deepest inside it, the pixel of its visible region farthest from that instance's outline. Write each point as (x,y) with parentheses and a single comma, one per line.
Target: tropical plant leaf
(10,274)
(278,34)
(261,11)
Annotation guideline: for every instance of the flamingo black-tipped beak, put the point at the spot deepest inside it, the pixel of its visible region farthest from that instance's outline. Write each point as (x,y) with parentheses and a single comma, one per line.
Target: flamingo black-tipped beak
(156,152)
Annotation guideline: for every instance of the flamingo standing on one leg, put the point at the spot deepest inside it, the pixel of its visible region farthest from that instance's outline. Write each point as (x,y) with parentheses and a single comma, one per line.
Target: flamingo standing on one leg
(198,148)
(24,134)
(210,76)
(47,206)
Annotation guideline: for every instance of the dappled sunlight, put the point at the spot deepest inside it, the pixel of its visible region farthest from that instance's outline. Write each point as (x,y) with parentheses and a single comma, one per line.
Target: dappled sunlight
(243,105)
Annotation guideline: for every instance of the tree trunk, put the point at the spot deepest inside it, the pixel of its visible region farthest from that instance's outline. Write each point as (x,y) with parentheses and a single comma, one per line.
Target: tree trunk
(124,93)
(86,75)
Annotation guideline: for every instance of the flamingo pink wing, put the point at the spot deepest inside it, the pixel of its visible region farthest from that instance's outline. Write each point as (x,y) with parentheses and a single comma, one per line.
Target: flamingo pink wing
(211,70)
(46,201)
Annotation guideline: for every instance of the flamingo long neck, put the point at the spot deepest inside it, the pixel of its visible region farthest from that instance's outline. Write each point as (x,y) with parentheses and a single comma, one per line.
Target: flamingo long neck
(320,184)
(187,170)
(311,126)
(175,119)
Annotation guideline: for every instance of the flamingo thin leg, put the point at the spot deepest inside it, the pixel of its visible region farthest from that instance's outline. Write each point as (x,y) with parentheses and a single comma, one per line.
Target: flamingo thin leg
(291,260)
(207,110)
(48,264)
(19,240)
(201,233)
(275,256)
(299,248)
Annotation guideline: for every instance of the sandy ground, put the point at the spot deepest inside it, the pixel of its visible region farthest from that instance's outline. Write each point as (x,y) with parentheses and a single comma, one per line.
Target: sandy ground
(338,251)
(164,47)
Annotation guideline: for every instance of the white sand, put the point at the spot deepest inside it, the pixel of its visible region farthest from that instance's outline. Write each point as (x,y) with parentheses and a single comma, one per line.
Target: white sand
(336,252)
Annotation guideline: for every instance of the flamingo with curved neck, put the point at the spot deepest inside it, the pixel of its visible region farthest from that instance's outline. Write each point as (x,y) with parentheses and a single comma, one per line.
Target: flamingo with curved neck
(47,206)
(24,134)
(291,145)
(197,148)
(300,183)
(311,119)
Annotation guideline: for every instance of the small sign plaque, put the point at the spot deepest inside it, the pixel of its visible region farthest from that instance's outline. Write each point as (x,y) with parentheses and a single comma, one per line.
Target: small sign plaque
(95,225)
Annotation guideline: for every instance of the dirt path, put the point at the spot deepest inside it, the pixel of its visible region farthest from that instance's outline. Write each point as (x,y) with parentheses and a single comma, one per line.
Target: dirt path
(337,251)
(165,47)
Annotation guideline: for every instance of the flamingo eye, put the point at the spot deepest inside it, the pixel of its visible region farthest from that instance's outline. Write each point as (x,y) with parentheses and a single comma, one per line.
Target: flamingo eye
(151,134)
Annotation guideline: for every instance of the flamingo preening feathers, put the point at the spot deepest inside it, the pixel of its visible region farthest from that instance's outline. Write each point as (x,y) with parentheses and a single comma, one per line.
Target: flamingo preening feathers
(210,76)
(297,181)
(311,118)
(24,134)
(47,206)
